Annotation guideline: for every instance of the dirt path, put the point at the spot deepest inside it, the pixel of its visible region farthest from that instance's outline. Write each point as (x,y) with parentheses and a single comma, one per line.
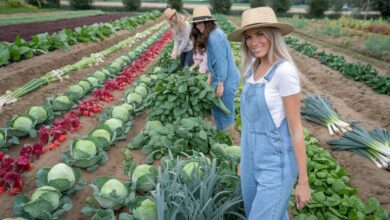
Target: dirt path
(381,66)
(27,30)
(17,74)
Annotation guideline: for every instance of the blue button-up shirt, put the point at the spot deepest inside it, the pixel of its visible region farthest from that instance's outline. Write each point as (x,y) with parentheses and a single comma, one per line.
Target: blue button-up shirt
(220,60)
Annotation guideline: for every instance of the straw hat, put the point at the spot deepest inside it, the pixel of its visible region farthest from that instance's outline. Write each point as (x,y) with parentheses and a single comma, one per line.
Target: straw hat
(201,14)
(259,17)
(169,12)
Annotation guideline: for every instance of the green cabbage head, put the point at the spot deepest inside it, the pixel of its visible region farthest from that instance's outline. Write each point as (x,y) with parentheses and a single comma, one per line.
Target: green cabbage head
(112,194)
(39,113)
(45,198)
(146,210)
(61,176)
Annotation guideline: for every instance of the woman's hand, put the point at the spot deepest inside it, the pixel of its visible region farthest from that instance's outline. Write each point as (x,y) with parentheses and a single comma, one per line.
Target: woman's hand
(209,78)
(219,91)
(174,55)
(302,194)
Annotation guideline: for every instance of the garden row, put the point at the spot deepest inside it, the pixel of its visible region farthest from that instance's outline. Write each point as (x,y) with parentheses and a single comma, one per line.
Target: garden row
(43,43)
(357,71)
(82,99)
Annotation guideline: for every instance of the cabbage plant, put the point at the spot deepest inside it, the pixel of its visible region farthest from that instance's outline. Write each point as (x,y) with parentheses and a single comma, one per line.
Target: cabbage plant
(62,177)
(120,113)
(144,178)
(86,85)
(100,75)
(76,91)
(60,103)
(134,98)
(111,194)
(22,125)
(85,153)
(6,140)
(45,203)
(93,81)
(141,90)
(104,134)
(146,209)
(116,125)
(39,113)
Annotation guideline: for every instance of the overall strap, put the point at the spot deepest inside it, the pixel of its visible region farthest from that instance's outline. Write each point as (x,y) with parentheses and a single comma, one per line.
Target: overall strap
(271,73)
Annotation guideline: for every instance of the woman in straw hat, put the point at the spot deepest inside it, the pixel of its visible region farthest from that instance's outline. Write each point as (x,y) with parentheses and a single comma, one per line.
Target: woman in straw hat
(223,73)
(181,33)
(272,145)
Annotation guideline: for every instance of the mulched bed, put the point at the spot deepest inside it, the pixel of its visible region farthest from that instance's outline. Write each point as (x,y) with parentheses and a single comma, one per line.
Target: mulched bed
(25,31)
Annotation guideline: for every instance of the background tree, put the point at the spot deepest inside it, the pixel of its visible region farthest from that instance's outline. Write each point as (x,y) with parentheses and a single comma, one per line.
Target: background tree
(317,7)
(176,4)
(81,4)
(383,6)
(221,6)
(132,4)
(257,3)
(281,6)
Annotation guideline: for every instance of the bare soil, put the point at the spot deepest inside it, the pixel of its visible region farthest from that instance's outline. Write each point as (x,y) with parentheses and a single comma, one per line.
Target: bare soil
(27,30)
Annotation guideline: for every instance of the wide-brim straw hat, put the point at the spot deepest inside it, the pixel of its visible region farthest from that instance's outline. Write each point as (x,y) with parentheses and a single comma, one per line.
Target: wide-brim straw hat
(259,17)
(201,14)
(169,12)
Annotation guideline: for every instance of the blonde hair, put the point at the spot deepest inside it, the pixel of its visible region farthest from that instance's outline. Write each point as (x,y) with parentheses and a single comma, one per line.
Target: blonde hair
(177,21)
(278,50)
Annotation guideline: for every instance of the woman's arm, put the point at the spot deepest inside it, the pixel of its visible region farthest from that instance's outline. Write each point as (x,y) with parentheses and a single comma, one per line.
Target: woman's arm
(292,106)
(185,38)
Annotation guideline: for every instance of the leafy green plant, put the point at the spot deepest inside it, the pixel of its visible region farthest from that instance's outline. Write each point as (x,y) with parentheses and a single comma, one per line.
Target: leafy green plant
(85,153)
(62,177)
(46,202)
(377,43)
(183,136)
(204,195)
(332,197)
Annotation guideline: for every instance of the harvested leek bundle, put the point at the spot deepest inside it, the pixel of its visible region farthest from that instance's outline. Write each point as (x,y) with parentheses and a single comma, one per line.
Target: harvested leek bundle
(374,145)
(320,111)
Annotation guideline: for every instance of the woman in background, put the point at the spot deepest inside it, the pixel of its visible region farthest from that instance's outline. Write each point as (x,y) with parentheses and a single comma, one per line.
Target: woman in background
(181,34)
(223,73)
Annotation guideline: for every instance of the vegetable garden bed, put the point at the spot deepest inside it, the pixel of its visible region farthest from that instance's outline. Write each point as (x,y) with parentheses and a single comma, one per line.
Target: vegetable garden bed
(25,31)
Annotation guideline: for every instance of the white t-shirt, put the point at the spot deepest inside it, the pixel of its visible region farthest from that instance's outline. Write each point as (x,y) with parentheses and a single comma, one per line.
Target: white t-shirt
(285,82)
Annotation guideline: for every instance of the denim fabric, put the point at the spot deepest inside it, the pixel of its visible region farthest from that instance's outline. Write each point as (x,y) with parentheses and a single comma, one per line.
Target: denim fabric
(220,60)
(186,59)
(268,165)
(222,68)
(222,120)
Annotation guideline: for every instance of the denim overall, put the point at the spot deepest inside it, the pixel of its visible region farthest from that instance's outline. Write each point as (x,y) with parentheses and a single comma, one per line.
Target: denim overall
(268,164)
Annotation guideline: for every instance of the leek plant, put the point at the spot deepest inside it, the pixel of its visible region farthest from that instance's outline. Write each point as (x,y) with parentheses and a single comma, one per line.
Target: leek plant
(320,111)
(374,145)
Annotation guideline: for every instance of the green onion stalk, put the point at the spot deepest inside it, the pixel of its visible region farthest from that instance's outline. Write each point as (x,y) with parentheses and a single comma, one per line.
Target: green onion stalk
(374,145)
(320,111)
(58,74)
